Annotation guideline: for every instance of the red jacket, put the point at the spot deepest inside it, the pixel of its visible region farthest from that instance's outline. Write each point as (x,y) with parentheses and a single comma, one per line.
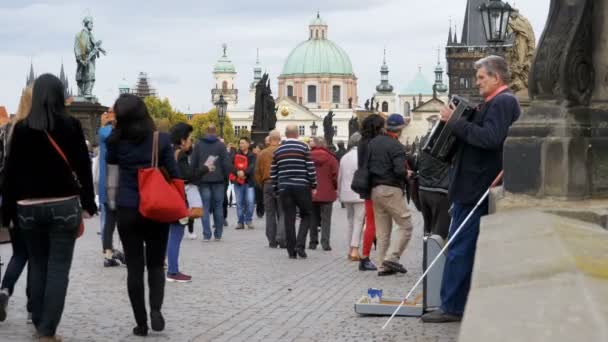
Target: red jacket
(326,166)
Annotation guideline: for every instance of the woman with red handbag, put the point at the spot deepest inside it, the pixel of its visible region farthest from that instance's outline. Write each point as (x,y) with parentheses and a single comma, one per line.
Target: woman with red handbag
(48,145)
(134,146)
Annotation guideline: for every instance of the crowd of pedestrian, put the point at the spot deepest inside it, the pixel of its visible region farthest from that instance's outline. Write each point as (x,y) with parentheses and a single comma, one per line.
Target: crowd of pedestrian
(284,179)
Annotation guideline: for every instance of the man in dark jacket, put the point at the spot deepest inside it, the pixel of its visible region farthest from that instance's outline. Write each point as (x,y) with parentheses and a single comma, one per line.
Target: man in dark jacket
(326,166)
(477,163)
(433,183)
(341,150)
(388,175)
(210,150)
(244,184)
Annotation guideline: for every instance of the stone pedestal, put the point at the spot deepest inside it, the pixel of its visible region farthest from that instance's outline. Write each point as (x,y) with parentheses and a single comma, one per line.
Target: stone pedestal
(258,136)
(89,115)
(559,147)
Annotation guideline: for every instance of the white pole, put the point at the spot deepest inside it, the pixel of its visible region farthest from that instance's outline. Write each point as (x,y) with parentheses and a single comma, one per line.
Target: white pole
(443,250)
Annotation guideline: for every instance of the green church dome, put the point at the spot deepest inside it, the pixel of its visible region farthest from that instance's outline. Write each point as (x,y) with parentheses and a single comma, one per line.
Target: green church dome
(418,85)
(224,64)
(317,55)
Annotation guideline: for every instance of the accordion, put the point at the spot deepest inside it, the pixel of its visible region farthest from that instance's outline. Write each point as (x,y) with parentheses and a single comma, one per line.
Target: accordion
(441,144)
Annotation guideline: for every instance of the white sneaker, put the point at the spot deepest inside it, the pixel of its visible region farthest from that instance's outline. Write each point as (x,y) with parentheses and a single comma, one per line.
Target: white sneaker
(192,236)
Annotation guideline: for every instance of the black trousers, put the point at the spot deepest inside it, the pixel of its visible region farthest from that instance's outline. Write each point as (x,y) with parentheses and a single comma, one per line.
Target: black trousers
(108,228)
(225,204)
(145,245)
(435,206)
(259,201)
(16,265)
(292,198)
(321,216)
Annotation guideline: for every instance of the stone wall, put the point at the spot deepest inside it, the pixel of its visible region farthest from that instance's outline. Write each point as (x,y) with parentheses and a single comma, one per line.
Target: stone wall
(538,277)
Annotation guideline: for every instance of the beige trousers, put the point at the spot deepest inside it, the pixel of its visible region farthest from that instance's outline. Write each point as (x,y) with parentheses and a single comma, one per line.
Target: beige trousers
(389,206)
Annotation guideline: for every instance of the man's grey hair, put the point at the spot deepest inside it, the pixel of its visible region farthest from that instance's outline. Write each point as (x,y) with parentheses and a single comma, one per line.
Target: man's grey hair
(274,135)
(495,66)
(291,131)
(354,139)
(319,141)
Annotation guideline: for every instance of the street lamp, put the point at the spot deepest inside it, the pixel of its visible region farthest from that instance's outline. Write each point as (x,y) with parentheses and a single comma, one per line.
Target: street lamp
(313,129)
(495,18)
(221,105)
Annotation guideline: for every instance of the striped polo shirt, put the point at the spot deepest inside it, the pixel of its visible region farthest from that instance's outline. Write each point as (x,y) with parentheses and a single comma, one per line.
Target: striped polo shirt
(292,166)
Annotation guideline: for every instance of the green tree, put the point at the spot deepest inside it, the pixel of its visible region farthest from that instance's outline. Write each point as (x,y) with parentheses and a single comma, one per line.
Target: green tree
(244,133)
(202,121)
(162,111)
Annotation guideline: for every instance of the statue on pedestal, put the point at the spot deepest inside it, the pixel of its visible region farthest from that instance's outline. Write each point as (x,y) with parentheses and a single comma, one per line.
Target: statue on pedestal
(521,55)
(86,51)
(328,128)
(367,104)
(353,126)
(264,111)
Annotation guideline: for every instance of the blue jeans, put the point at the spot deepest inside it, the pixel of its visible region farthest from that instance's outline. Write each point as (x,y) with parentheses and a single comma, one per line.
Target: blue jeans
(49,231)
(176,234)
(213,200)
(245,200)
(460,258)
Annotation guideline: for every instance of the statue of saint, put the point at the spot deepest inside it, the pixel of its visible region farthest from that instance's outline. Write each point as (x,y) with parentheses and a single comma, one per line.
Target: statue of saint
(328,128)
(371,104)
(86,51)
(521,55)
(270,110)
(353,125)
(377,106)
(367,104)
(259,116)
(350,102)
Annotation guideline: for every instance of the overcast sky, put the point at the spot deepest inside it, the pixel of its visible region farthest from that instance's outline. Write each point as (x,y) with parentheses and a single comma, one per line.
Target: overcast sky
(177,42)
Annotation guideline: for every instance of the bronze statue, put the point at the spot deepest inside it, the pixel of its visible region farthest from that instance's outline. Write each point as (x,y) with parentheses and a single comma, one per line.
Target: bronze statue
(86,51)
(367,104)
(263,116)
(328,128)
(270,109)
(371,104)
(521,55)
(377,105)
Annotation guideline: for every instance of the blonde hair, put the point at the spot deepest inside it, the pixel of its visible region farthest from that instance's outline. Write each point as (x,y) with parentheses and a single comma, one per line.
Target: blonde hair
(25,104)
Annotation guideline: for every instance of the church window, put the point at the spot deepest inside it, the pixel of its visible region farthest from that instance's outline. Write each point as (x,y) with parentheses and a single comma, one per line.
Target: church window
(302,130)
(385,106)
(289,90)
(225,85)
(312,94)
(336,94)
(406,109)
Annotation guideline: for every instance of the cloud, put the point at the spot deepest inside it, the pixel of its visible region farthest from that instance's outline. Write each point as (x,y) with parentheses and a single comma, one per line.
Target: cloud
(177,43)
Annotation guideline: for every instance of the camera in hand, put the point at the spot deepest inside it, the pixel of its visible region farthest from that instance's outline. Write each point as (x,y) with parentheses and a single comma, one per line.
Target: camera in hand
(442,144)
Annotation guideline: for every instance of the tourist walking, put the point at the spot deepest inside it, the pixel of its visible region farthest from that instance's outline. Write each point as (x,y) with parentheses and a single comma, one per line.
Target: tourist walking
(294,178)
(144,241)
(326,166)
(107,216)
(181,138)
(210,150)
(48,145)
(388,176)
(242,177)
(355,206)
(19,259)
(372,126)
(275,227)
(259,191)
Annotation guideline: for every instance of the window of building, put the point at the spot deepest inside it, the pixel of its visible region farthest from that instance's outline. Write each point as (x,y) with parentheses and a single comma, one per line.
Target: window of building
(302,130)
(335,130)
(225,85)
(237,130)
(406,109)
(289,90)
(335,98)
(312,94)
(385,107)
(464,83)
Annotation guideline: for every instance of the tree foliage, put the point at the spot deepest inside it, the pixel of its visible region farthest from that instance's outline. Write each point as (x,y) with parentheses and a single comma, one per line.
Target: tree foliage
(164,115)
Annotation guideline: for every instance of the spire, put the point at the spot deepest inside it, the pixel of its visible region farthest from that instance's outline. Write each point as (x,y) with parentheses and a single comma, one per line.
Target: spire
(30,78)
(455,37)
(224,47)
(439,87)
(257,70)
(64,81)
(384,85)
(257,56)
(450,36)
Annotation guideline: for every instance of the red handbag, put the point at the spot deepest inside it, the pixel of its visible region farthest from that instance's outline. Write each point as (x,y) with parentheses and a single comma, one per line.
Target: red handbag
(160,199)
(240,164)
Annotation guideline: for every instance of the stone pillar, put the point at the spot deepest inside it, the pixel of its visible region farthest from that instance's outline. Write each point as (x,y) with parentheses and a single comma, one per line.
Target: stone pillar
(559,147)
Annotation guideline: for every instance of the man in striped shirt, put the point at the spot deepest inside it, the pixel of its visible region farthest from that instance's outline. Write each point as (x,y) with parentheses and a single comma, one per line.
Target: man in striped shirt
(294,178)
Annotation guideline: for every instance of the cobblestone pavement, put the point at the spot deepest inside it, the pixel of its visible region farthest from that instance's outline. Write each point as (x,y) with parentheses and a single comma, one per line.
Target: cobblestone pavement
(241,291)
